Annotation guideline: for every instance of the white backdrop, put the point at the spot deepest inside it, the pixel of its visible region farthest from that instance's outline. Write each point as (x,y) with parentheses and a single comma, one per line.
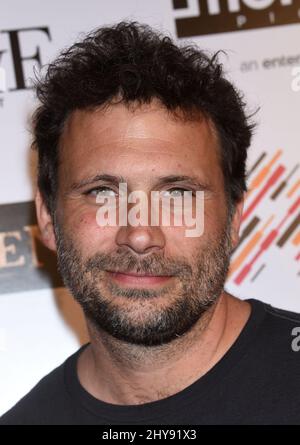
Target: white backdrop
(39,325)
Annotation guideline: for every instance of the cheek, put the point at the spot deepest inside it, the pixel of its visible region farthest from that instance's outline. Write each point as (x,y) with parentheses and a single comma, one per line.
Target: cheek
(215,216)
(187,241)
(179,245)
(82,226)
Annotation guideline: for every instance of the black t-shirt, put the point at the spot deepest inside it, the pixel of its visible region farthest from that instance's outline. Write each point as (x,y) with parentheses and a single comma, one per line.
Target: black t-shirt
(257,381)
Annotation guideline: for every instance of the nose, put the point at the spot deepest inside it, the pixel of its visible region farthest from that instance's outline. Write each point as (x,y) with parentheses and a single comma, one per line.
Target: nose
(141,239)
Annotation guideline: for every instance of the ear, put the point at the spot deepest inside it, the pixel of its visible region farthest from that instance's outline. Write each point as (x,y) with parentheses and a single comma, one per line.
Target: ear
(44,222)
(236,223)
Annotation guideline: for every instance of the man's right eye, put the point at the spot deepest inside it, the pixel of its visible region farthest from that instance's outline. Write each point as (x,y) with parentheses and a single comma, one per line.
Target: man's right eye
(102,191)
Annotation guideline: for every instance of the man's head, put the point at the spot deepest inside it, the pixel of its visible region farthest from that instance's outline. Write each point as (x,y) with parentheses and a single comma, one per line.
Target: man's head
(128,103)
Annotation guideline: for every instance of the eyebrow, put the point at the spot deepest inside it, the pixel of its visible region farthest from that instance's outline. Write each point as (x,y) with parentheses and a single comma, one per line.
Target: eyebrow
(162,180)
(99,177)
(193,180)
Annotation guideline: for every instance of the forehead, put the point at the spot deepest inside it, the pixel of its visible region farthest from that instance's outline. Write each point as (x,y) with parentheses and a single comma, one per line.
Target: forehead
(134,139)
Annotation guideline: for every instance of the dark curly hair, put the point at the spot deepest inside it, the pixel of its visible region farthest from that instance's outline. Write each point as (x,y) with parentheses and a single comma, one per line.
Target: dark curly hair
(133,62)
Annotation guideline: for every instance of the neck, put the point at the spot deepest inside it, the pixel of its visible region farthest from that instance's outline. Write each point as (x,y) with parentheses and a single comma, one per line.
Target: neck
(121,373)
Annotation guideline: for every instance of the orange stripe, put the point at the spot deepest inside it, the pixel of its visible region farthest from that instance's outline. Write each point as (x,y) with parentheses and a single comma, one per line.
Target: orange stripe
(245,252)
(296,239)
(293,189)
(237,262)
(256,182)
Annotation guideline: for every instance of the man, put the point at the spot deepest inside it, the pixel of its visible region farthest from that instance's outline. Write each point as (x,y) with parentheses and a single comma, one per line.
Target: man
(168,345)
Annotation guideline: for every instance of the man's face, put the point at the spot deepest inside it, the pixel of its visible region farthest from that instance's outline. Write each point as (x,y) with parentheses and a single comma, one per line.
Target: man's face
(142,146)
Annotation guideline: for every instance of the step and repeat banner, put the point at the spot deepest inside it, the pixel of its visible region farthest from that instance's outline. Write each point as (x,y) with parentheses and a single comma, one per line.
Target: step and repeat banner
(40,324)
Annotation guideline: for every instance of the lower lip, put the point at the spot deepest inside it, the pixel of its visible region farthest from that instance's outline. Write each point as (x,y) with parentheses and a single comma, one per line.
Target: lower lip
(139,280)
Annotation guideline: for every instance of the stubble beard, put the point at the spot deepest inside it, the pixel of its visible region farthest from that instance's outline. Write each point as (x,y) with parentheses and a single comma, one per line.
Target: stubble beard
(145,317)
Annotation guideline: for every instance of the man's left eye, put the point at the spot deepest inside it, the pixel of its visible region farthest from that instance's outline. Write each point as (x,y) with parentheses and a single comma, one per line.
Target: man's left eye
(180,192)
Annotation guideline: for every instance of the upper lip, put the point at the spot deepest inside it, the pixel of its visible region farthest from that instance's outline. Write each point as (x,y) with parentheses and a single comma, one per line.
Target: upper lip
(141,274)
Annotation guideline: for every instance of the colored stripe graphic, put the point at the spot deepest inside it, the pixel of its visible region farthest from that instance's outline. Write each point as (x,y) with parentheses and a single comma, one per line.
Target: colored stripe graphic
(258,272)
(284,183)
(237,262)
(256,164)
(273,179)
(259,178)
(266,244)
(289,231)
(296,239)
(247,230)
(293,189)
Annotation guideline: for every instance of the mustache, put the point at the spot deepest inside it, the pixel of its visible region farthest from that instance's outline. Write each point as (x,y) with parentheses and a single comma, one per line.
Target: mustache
(126,262)
(121,260)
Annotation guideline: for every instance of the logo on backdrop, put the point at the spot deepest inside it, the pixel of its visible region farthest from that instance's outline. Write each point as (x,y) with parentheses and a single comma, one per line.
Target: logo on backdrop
(199,17)
(20,50)
(25,263)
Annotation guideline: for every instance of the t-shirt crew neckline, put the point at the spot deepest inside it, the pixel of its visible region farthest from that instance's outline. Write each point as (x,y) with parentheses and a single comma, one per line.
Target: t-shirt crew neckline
(161,408)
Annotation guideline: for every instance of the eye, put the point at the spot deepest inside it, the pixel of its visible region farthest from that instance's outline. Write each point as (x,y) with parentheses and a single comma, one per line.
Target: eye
(180,192)
(103,191)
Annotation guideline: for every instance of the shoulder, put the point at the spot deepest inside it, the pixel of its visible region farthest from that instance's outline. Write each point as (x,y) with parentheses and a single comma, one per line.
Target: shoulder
(281,315)
(273,313)
(276,336)
(278,321)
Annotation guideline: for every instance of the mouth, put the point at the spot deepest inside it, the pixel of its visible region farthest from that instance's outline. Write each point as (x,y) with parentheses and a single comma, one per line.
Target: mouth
(138,279)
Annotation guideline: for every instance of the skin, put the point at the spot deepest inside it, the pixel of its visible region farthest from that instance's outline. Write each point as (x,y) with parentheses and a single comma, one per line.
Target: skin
(141,144)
